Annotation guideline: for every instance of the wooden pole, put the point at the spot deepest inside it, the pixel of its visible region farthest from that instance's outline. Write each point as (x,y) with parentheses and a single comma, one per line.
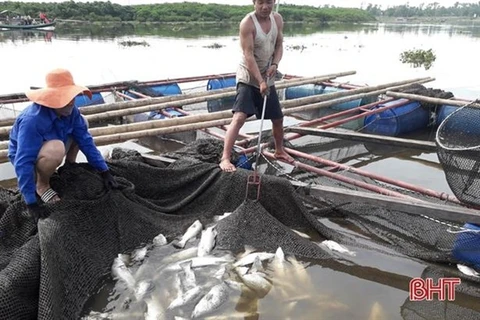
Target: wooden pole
(164,123)
(121,85)
(144,102)
(362,137)
(374,92)
(328,96)
(416,97)
(120,137)
(185,101)
(157,100)
(156,124)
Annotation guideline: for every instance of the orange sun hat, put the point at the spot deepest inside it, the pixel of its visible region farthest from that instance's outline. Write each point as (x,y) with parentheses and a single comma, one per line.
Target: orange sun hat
(60,90)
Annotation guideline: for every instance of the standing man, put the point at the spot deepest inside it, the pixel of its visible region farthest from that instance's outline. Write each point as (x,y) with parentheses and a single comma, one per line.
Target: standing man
(46,132)
(261,40)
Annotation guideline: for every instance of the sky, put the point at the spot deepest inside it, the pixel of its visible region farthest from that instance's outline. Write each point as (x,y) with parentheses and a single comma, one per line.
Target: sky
(338,3)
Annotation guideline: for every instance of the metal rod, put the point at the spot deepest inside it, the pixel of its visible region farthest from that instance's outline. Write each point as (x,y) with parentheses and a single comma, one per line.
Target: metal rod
(406,185)
(339,177)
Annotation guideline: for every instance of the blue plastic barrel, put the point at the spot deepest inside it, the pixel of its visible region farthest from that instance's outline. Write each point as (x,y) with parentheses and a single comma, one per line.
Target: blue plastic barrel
(352,125)
(157,115)
(224,103)
(403,119)
(466,248)
(82,100)
(443,112)
(169,89)
(302,91)
(342,106)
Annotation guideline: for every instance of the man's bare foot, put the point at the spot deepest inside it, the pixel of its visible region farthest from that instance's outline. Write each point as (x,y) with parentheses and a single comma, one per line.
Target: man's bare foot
(282,155)
(227,166)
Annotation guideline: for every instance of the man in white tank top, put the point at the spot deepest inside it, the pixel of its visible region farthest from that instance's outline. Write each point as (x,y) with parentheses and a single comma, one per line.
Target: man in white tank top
(261,40)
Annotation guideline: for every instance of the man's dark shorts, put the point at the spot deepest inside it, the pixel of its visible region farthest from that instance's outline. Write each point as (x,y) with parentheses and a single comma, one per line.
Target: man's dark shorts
(249,101)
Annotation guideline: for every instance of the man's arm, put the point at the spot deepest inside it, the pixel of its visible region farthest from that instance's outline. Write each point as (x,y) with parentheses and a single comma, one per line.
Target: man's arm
(247,36)
(278,53)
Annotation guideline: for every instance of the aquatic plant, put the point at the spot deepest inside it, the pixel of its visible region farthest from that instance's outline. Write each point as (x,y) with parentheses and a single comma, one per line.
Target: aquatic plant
(131,43)
(214,46)
(418,58)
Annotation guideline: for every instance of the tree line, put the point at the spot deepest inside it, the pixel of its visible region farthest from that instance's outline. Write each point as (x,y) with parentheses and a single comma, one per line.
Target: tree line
(178,12)
(433,9)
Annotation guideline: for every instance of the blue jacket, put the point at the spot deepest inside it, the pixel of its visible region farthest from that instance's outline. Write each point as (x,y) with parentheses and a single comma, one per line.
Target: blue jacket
(37,124)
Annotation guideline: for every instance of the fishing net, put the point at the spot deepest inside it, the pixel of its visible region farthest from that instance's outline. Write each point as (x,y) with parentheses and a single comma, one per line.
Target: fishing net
(50,272)
(458,149)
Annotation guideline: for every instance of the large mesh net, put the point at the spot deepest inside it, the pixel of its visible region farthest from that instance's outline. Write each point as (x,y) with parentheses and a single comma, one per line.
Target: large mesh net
(49,272)
(458,148)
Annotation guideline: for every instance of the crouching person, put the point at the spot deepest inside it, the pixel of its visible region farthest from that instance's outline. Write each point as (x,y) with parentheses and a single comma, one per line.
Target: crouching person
(46,132)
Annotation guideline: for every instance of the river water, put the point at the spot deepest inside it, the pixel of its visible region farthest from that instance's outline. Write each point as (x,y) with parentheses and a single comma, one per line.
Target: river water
(373,51)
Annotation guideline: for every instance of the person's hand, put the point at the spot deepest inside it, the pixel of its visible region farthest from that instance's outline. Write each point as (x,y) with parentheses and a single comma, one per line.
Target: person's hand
(109,180)
(272,71)
(263,88)
(36,212)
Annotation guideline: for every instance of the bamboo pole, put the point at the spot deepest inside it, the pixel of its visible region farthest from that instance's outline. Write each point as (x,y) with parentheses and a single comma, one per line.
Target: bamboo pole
(363,137)
(327,104)
(144,102)
(126,132)
(156,124)
(120,85)
(323,97)
(120,137)
(417,97)
(354,95)
(185,101)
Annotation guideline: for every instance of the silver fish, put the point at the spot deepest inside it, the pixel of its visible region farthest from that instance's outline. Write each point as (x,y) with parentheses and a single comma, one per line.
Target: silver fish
(191,232)
(249,259)
(301,234)
(221,217)
(334,246)
(207,241)
(180,256)
(198,262)
(155,310)
(216,297)
(256,266)
(303,279)
(159,240)
(377,312)
(467,270)
(190,279)
(220,273)
(191,296)
(139,254)
(112,316)
(242,270)
(143,288)
(122,273)
(257,283)
(279,263)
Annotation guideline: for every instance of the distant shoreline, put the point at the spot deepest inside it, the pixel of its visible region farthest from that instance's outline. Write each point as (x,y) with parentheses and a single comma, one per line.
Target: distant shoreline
(430,20)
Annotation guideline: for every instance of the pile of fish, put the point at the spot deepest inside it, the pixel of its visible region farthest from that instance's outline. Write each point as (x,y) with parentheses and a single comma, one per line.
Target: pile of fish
(188,279)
